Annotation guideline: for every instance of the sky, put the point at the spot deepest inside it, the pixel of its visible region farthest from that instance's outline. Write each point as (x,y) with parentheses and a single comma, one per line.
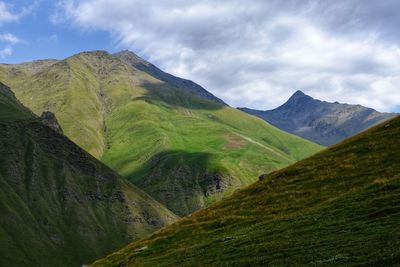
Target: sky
(252,53)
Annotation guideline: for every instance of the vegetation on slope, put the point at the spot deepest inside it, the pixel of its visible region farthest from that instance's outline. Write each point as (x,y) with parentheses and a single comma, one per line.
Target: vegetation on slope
(180,146)
(340,207)
(60,206)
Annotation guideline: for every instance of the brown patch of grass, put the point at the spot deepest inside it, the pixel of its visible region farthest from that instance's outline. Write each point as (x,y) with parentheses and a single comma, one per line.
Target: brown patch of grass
(234,141)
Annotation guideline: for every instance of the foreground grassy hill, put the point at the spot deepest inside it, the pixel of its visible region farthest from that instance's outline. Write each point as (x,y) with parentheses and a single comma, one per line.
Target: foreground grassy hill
(169,136)
(340,207)
(60,206)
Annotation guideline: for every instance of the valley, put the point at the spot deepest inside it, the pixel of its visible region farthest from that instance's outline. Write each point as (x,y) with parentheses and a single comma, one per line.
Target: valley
(170,137)
(339,207)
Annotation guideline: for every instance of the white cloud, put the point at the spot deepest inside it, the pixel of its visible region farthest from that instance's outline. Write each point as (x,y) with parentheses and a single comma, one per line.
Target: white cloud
(257,54)
(5,14)
(8,15)
(10,38)
(6,51)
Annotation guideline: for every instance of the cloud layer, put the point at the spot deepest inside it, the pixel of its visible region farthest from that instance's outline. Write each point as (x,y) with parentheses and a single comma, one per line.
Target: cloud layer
(258,53)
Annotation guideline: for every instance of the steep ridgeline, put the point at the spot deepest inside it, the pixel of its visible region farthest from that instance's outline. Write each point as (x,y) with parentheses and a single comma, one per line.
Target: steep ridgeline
(187,85)
(340,207)
(168,136)
(319,121)
(60,206)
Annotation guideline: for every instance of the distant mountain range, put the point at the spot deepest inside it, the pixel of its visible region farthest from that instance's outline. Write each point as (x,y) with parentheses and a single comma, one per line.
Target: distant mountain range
(60,206)
(319,121)
(339,207)
(167,135)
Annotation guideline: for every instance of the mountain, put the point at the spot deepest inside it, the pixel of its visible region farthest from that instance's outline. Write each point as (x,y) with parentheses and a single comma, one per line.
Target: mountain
(340,207)
(319,121)
(187,85)
(60,206)
(170,137)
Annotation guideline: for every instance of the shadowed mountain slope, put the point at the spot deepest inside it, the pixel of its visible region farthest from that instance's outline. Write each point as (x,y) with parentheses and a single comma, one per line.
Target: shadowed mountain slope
(319,121)
(171,138)
(340,207)
(60,206)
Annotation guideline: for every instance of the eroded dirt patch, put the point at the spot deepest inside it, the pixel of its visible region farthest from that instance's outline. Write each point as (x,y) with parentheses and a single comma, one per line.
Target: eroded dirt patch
(234,141)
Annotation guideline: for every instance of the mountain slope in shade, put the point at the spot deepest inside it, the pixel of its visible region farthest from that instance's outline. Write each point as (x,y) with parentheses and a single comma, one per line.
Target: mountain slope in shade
(171,138)
(60,206)
(319,121)
(340,207)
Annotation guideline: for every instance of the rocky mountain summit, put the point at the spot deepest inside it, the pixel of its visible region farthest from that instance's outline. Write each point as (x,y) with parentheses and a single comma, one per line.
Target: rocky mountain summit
(320,121)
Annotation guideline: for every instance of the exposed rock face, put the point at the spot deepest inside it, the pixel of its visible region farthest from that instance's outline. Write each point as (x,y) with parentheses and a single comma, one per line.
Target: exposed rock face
(49,119)
(5,90)
(319,121)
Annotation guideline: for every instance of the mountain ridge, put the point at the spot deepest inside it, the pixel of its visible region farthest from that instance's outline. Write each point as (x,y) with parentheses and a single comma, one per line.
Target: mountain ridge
(323,122)
(136,61)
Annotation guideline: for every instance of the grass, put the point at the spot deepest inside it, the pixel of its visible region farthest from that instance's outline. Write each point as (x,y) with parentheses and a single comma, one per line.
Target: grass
(339,207)
(60,206)
(128,119)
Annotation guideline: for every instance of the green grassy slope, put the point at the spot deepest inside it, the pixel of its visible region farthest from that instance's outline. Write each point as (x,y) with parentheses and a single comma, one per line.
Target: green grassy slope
(60,206)
(183,149)
(340,207)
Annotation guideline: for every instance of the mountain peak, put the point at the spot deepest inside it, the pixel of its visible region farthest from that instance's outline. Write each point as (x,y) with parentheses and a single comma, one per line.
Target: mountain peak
(299,93)
(322,122)
(130,58)
(126,52)
(298,97)
(187,85)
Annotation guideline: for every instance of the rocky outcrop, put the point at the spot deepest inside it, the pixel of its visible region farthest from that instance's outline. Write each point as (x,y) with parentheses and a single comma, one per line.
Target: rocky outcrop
(49,119)
(5,90)
(262,177)
(212,182)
